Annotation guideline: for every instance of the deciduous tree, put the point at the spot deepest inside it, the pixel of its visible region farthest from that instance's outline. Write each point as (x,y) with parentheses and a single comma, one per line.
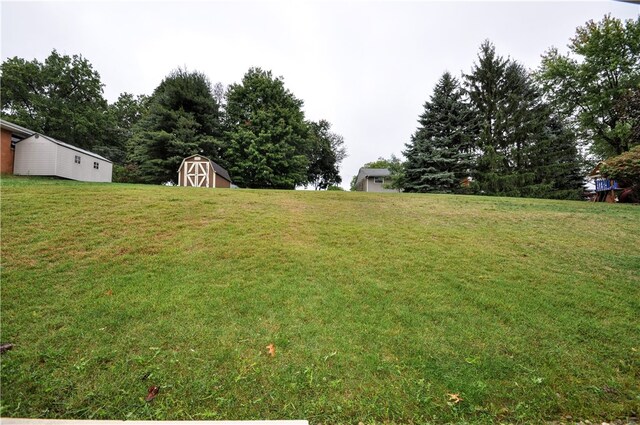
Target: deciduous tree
(61,97)
(267,136)
(591,82)
(326,152)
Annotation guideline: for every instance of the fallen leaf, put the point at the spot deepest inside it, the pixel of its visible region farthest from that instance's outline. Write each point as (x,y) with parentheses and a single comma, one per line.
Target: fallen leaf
(271,350)
(109,293)
(455,398)
(153,392)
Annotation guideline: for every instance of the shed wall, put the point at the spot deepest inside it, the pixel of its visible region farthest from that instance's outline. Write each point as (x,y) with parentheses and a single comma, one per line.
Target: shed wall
(35,157)
(222,183)
(85,171)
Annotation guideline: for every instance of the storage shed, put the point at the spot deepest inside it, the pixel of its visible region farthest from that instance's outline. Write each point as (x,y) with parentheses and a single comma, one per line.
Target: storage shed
(200,171)
(33,154)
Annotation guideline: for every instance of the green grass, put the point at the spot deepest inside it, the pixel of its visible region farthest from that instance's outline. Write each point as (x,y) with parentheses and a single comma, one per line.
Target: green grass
(379,305)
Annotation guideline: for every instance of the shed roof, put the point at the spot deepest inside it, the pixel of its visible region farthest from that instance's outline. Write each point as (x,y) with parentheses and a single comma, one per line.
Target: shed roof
(217,168)
(67,145)
(372,172)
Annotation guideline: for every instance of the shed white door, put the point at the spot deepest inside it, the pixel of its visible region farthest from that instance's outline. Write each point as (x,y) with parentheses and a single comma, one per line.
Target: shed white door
(197,174)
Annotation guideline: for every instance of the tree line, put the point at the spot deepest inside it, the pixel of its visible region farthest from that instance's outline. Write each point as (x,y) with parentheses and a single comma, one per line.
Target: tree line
(500,129)
(504,130)
(256,129)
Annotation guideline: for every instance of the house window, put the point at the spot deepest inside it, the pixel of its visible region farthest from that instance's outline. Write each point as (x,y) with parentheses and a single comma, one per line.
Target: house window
(96,165)
(378,180)
(77,160)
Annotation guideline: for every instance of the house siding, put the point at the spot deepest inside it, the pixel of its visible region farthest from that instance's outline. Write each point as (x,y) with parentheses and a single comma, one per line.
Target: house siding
(371,186)
(6,153)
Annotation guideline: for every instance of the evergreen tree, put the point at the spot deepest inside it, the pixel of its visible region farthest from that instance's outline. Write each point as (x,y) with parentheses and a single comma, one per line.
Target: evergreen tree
(522,149)
(440,152)
(182,120)
(267,136)
(557,162)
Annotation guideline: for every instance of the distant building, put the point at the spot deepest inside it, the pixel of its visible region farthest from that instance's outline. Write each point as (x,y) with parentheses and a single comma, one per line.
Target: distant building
(27,153)
(373,180)
(200,171)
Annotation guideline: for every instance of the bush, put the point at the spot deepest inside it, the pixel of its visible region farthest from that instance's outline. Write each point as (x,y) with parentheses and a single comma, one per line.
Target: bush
(625,169)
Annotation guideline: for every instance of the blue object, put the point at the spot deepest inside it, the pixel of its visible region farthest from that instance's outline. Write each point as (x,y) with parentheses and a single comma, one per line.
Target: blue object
(603,185)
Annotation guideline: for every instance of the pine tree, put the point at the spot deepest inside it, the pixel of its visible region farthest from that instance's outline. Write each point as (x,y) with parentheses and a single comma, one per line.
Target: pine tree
(555,160)
(182,120)
(522,149)
(440,152)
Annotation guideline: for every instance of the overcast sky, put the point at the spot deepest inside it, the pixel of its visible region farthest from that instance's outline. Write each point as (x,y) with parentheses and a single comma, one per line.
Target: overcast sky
(365,66)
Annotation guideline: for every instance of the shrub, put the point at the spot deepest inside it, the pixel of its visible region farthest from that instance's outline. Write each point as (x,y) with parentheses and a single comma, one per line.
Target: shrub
(625,169)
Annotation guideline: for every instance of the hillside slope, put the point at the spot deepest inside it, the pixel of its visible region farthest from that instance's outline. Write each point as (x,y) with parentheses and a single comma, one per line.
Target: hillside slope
(381,307)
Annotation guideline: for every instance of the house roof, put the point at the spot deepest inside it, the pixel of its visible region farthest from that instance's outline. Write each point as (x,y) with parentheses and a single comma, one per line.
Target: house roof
(16,129)
(25,132)
(372,172)
(217,168)
(596,171)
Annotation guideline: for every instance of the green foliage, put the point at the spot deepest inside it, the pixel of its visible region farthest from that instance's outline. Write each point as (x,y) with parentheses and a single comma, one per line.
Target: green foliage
(591,83)
(326,152)
(335,188)
(624,168)
(123,115)
(439,155)
(523,150)
(61,98)
(267,136)
(352,184)
(182,119)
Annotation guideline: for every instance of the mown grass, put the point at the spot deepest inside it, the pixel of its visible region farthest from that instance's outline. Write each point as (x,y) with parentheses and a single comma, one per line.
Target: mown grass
(379,305)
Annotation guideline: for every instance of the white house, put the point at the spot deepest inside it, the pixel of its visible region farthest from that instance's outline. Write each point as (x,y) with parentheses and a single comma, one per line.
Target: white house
(38,155)
(373,180)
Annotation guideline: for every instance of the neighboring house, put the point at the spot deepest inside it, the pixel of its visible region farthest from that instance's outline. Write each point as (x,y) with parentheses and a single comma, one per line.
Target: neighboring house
(373,180)
(199,171)
(27,153)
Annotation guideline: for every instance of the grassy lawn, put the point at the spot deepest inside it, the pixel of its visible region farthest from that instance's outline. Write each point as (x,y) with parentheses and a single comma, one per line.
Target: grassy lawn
(379,305)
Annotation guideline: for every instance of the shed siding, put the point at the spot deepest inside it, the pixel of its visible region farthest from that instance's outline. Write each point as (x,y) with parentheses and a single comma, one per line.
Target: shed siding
(68,168)
(41,157)
(221,182)
(6,153)
(215,180)
(35,157)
